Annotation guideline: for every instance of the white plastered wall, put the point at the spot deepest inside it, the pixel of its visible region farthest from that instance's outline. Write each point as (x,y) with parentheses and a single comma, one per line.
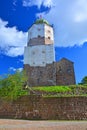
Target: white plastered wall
(49,32)
(35,30)
(39,55)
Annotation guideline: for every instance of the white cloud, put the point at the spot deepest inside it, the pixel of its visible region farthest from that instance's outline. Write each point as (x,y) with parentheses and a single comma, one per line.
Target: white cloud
(70,21)
(68,17)
(14,51)
(47,3)
(79,10)
(15,69)
(14,2)
(12,41)
(12,69)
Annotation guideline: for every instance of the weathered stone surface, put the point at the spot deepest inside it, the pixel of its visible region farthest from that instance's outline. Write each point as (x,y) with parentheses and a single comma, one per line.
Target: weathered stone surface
(40,76)
(57,73)
(65,72)
(37,107)
(39,41)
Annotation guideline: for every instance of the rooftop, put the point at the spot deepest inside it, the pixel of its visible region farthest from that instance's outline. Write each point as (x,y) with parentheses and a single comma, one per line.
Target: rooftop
(41,21)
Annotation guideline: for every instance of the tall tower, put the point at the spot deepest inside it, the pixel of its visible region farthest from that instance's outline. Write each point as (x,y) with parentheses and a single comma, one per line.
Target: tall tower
(39,58)
(40,46)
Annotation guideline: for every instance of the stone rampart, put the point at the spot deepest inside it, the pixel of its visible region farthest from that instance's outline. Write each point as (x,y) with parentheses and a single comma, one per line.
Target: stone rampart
(51,108)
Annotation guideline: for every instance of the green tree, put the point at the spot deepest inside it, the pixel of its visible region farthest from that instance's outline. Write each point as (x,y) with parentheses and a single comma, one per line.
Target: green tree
(12,87)
(84,80)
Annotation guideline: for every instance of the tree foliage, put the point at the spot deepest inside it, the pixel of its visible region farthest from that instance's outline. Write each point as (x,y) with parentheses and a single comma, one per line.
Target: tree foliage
(84,81)
(12,87)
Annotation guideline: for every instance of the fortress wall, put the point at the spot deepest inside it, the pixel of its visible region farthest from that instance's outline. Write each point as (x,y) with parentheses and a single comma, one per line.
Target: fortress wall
(53,108)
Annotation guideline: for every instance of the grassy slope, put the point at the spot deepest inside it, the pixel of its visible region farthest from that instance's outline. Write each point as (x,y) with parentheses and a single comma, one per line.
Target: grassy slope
(12,93)
(53,88)
(73,90)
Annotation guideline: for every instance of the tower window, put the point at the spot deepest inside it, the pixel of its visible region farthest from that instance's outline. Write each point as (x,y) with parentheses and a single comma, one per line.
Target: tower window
(68,70)
(33,52)
(48,31)
(48,37)
(39,36)
(39,29)
(43,51)
(60,70)
(64,78)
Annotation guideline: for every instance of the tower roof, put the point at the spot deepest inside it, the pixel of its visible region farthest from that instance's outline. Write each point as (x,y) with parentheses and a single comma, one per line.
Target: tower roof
(41,21)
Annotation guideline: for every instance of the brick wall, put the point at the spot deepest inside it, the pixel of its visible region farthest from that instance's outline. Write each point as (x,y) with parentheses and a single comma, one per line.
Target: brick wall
(37,107)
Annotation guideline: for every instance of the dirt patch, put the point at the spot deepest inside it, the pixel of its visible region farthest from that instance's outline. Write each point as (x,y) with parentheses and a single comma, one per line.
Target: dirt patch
(7,124)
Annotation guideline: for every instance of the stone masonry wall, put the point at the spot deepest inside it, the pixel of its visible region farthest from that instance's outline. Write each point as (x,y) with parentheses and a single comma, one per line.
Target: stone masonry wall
(36,41)
(41,76)
(65,74)
(39,41)
(57,73)
(37,107)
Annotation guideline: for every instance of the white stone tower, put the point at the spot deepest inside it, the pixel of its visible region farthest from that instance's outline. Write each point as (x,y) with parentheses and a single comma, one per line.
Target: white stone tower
(39,58)
(40,46)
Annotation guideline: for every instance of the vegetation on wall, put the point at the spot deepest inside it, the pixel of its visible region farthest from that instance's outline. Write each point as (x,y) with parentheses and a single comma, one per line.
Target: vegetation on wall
(12,88)
(61,91)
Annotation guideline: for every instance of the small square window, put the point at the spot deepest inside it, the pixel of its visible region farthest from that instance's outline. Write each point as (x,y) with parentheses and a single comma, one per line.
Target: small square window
(39,29)
(48,31)
(33,52)
(48,37)
(43,51)
(68,70)
(39,36)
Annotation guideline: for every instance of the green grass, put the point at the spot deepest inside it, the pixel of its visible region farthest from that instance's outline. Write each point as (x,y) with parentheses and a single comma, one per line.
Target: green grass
(53,89)
(14,92)
(62,91)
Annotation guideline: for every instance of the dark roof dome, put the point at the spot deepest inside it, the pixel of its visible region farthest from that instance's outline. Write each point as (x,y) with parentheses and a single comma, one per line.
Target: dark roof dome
(41,21)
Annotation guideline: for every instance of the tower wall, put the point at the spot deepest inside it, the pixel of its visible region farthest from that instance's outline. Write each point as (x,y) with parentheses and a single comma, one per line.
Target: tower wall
(39,55)
(41,76)
(65,72)
(40,34)
(57,73)
(40,49)
(39,58)
(35,31)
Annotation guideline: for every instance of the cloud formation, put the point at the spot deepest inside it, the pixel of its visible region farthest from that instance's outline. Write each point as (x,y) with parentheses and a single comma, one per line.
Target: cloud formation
(69,19)
(47,3)
(15,69)
(12,41)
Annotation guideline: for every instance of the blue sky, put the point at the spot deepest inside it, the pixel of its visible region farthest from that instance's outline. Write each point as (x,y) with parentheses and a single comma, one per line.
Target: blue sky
(69,19)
